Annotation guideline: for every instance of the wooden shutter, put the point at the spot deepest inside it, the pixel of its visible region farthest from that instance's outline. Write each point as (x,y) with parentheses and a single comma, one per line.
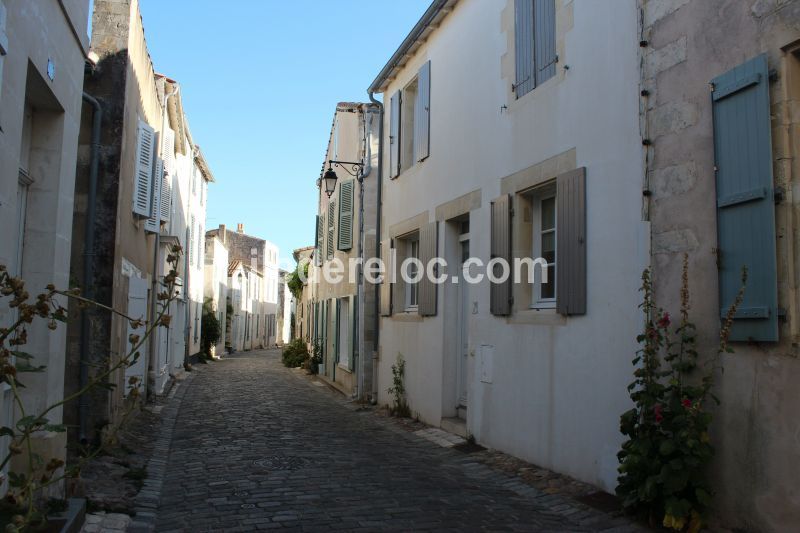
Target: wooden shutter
(394,135)
(168,155)
(428,249)
(422,113)
(571,243)
(137,308)
(331,228)
(399,285)
(153,224)
(386,285)
(346,214)
(544,35)
(745,201)
(525,77)
(318,240)
(143,173)
(500,293)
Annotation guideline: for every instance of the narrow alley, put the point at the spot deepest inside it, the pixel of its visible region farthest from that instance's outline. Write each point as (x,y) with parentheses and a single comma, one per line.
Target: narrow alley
(256,446)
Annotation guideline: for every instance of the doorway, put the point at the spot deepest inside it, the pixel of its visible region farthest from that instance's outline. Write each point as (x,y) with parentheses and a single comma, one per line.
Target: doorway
(462,356)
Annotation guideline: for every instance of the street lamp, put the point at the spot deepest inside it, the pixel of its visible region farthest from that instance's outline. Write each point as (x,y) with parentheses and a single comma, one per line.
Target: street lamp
(330,177)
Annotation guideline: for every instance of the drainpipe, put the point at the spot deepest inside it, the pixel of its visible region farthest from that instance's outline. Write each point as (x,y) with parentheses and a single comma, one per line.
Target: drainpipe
(366,171)
(376,334)
(156,264)
(88,263)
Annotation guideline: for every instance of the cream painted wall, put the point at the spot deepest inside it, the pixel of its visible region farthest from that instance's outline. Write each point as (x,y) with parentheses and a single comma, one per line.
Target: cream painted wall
(554,397)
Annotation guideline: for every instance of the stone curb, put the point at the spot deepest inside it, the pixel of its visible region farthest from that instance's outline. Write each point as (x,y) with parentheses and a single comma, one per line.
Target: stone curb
(147,500)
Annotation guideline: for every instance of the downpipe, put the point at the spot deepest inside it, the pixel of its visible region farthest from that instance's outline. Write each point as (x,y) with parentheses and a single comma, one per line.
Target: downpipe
(377,310)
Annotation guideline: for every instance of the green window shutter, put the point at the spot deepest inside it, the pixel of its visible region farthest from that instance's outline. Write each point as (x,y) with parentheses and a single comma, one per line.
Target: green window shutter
(571,243)
(428,240)
(346,215)
(335,324)
(525,77)
(331,220)
(745,205)
(422,113)
(500,293)
(386,285)
(354,332)
(394,135)
(318,240)
(544,35)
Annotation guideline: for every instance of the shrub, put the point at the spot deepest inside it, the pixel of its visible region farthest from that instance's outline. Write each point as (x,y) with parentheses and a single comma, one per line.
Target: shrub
(663,463)
(295,354)
(210,330)
(398,389)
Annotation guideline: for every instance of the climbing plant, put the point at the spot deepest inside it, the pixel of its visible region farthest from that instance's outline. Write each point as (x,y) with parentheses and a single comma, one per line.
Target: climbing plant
(663,462)
(30,474)
(297,279)
(399,406)
(210,329)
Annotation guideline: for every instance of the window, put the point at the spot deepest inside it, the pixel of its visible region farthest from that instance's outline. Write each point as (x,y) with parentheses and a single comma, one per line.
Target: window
(409,123)
(543,208)
(412,289)
(534,43)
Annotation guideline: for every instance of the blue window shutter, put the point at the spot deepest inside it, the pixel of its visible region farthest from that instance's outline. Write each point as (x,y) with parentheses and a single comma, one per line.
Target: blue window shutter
(544,32)
(745,205)
(394,135)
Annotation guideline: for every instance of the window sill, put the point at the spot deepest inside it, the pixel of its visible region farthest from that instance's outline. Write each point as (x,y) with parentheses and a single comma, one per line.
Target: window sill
(344,367)
(542,317)
(406,317)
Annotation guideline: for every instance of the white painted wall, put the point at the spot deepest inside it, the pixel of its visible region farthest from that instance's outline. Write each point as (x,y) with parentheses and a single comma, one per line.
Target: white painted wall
(554,397)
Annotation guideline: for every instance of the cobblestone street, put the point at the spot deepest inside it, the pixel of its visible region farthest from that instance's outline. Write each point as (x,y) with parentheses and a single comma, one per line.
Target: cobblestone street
(256,446)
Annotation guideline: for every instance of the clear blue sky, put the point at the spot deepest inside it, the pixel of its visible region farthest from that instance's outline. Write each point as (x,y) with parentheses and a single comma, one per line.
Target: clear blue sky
(260,80)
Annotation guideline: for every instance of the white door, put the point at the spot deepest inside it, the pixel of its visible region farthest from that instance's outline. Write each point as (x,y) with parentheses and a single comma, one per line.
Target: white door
(463,328)
(137,308)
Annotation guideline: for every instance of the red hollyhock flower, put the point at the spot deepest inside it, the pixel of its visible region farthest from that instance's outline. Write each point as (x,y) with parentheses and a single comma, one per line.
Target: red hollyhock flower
(664,321)
(657,411)
(686,402)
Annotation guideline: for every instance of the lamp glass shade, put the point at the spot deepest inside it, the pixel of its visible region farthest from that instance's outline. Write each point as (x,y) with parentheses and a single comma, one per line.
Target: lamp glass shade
(329,179)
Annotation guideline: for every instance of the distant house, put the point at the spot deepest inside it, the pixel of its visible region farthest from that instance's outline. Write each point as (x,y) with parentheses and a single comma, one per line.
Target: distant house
(303,305)
(285,310)
(257,261)
(216,285)
(343,313)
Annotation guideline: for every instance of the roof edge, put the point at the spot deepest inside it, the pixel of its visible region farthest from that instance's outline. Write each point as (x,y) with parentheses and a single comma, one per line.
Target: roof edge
(430,15)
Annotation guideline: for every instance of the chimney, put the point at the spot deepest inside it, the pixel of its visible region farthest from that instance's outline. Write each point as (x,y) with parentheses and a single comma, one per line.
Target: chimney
(221,233)
(240,227)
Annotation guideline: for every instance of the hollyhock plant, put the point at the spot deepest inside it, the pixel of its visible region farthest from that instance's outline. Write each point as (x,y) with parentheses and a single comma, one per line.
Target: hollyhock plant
(664,459)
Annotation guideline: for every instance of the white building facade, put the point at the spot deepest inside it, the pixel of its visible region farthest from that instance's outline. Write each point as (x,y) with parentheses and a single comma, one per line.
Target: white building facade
(494,151)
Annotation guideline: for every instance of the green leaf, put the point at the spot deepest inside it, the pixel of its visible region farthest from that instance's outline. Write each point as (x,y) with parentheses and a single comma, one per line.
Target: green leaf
(667,447)
(55,428)
(21,355)
(703,497)
(6,431)
(26,367)
(26,422)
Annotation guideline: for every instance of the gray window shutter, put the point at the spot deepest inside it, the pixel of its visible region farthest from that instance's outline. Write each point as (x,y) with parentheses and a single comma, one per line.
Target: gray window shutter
(386,285)
(318,240)
(394,135)
(745,205)
(346,214)
(428,249)
(544,34)
(571,242)
(331,220)
(143,175)
(422,113)
(525,78)
(335,325)
(500,293)
(399,285)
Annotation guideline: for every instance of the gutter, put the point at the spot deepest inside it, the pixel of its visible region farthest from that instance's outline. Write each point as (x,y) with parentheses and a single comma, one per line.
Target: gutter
(419,28)
(377,310)
(88,262)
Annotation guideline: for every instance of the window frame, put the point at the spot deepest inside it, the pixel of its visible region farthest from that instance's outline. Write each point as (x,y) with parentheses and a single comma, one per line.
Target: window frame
(408,146)
(536,197)
(411,292)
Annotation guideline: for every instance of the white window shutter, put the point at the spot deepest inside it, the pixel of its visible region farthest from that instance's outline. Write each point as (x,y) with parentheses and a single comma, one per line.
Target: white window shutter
(168,154)
(153,224)
(145,154)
